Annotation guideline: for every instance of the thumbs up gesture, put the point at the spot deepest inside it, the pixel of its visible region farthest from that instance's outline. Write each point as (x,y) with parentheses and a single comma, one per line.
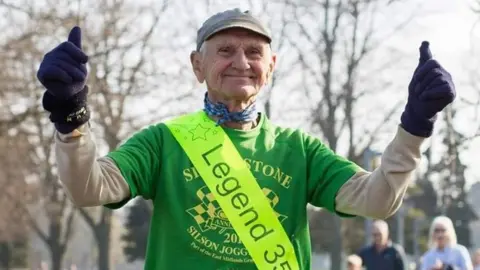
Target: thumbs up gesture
(429,92)
(63,72)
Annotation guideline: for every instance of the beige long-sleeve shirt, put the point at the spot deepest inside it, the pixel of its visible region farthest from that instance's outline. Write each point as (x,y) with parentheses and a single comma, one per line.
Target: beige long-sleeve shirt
(93,181)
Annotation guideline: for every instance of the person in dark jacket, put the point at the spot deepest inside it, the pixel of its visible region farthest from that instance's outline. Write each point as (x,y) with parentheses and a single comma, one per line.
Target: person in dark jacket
(382,254)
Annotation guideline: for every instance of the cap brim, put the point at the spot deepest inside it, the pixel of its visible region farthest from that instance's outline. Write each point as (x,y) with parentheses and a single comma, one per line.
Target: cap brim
(243,25)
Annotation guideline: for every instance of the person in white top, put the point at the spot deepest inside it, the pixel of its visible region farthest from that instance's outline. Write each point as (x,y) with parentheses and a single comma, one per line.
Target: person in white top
(445,253)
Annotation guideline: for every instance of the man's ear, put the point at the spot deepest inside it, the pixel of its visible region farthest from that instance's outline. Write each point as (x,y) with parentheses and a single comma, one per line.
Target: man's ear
(196,61)
(271,68)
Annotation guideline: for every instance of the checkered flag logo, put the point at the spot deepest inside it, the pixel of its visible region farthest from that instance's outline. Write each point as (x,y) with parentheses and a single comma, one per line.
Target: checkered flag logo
(209,215)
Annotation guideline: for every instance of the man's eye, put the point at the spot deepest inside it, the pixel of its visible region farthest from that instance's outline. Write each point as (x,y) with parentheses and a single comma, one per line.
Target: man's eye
(226,49)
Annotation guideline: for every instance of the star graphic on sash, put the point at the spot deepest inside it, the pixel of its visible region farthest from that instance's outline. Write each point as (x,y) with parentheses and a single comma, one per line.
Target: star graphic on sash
(199,132)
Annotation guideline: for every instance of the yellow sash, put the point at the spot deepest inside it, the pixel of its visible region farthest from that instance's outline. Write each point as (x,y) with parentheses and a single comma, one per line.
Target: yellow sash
(236,190)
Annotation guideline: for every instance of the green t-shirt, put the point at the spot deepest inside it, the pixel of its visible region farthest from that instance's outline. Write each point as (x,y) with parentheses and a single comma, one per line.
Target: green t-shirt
(291,167)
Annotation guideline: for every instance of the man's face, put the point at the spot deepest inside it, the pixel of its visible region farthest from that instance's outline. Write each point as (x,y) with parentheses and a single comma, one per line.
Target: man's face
(235,64)
(379,237)
(352,266)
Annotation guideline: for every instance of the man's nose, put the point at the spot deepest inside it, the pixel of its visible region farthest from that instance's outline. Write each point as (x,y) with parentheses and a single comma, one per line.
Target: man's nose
(240,61)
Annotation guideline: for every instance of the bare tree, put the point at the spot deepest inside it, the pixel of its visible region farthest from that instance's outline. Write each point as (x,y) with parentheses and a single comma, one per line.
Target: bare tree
(128,66)
(128,69)
(333,41)
(16,194)
(21,98)
(9,43)
(473,78)
(52,202)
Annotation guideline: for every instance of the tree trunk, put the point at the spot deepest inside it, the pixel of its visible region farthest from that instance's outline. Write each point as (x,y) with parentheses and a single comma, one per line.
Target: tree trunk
(57,259)
(102,234)
(337,246)
(5,255)
(268,108)
(55,243)
(104,254)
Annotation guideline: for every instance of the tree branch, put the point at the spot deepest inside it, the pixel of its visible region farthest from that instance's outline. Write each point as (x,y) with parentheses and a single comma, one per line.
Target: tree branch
(88,219)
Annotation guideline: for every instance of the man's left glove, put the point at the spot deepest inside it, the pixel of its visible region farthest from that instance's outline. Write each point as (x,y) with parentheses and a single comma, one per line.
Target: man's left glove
(429,92)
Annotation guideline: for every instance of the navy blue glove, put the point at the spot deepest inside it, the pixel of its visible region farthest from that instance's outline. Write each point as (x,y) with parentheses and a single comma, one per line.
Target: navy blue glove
(429,92)
(67,115)
(63,72)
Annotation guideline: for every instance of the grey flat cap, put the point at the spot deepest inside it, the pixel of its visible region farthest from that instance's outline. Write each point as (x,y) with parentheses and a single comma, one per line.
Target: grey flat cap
(233,18)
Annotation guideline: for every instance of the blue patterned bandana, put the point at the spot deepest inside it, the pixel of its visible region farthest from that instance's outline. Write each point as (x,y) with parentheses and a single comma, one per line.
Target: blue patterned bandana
(249,114)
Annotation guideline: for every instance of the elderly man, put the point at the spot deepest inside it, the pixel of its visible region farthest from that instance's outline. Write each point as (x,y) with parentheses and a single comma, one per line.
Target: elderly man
(229,188)
(383,254)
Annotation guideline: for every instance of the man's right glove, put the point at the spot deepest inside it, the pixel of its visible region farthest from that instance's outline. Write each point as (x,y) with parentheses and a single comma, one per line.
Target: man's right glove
(429,92)
(63,72)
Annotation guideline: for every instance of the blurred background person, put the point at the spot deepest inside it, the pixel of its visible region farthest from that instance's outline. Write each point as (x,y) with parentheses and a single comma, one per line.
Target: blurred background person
(444,251)
(382,253)
(354,262)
